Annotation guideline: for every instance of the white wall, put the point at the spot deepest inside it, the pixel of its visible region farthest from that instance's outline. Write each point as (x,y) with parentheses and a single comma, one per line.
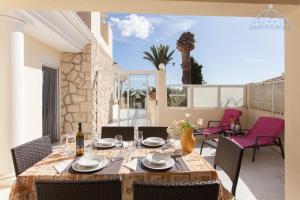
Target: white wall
(33,80)
(107,35)
(96,24)
(37,54)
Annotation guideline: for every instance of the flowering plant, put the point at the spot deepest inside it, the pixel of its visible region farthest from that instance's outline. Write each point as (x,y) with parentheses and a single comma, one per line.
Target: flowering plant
(185,123)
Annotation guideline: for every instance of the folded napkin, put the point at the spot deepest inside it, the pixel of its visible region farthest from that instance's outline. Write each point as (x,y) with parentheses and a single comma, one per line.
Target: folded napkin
(61,166)
(132,165)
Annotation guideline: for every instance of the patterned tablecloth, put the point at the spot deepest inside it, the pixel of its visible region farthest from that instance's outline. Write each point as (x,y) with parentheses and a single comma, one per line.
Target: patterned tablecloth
(195,168)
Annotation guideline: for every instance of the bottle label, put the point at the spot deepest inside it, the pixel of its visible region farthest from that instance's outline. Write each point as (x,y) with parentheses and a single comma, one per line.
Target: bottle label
(79,144)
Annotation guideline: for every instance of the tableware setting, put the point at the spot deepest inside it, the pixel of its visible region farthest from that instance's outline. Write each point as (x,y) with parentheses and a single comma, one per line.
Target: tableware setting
(153,141)
(90,163)
(158,161)
(105,142)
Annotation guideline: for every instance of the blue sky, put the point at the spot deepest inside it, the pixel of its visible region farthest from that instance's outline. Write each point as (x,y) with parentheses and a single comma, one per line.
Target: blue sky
(230,52)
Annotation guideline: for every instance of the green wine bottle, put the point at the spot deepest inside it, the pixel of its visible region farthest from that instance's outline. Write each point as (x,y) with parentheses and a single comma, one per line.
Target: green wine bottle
(79,141)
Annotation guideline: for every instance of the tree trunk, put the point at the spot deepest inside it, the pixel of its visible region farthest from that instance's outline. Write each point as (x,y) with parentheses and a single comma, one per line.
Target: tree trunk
(186,67)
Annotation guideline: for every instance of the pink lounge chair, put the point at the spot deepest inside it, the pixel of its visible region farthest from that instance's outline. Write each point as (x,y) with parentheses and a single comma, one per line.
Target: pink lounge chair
(265,132)
(223,125)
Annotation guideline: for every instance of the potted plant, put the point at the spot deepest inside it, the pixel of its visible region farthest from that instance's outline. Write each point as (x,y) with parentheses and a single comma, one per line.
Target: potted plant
(187,139)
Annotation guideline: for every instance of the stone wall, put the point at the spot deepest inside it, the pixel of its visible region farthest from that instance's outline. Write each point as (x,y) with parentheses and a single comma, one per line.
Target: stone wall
(103,87)
(81,92)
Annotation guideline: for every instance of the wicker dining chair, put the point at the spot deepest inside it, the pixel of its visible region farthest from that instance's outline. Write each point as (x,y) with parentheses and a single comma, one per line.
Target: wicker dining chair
(79,190)
(154,131)
(186,191)
(229,157)
(127,132)
(26,155)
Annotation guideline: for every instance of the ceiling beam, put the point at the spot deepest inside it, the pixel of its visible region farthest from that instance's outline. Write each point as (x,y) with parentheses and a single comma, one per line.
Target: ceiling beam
(175,7)
(283,2)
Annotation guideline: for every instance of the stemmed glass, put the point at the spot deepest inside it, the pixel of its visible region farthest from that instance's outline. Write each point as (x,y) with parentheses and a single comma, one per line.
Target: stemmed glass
(68,143)
(119,140)
(140,138)
(88,147)
(170,138)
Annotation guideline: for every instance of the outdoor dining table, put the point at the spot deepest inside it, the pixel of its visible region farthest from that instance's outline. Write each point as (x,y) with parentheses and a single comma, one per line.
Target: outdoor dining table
(190,167)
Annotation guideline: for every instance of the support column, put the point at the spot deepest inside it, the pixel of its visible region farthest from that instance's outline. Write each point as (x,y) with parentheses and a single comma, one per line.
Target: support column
(292,107)
(161,95)
(11,87)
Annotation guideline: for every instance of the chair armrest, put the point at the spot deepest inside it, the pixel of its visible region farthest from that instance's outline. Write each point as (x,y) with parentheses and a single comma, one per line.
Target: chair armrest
(262,136)
(211,121)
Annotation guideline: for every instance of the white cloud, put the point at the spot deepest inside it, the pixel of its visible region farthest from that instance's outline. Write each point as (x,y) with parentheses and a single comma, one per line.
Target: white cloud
(178,26)
(133,25)
(157,20)
(168,26)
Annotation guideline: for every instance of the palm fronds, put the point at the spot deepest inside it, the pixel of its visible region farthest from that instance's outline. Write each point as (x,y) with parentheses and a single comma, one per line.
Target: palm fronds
(159,54)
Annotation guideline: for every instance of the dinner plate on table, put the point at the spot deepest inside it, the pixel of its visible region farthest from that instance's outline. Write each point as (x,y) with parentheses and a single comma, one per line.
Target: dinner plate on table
(89,166)
(158,158)
(105,143)
(153,141)
(167,165)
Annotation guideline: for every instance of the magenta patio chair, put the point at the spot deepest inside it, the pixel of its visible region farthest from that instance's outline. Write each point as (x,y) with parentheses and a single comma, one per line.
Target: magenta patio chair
(223,125)
(265,132)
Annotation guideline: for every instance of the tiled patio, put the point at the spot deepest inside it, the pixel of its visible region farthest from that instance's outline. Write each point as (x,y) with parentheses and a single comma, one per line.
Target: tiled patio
(136,117)
(259,180)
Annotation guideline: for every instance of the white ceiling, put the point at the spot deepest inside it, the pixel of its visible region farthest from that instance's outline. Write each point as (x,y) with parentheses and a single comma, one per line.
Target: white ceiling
(62,30)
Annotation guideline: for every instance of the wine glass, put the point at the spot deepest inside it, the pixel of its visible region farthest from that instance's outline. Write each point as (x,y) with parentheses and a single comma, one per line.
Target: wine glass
(170,137)
(140,138)
(88,147)
(68,143)
(119,140)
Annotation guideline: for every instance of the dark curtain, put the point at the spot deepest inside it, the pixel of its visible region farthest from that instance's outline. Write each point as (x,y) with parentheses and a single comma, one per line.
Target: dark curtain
(50,103)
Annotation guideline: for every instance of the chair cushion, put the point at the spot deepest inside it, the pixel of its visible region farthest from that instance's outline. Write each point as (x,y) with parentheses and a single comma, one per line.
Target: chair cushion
(228,113)
(246,142)
(264,126)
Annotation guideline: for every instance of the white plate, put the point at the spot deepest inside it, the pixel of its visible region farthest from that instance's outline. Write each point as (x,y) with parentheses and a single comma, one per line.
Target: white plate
(105,142)
(88,161)
(170,162)
(103,162)
(153,141)
(158,158)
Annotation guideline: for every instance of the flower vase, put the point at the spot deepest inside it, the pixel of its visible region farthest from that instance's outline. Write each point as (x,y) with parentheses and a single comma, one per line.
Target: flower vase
(187,140)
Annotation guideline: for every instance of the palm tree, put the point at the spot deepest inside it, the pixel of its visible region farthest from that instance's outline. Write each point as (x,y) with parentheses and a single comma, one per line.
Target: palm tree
(196,75)
(159,54)
(185,44)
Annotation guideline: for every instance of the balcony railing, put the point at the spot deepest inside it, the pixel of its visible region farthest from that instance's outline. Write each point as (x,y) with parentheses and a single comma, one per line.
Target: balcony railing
(267,97)
(206,96)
